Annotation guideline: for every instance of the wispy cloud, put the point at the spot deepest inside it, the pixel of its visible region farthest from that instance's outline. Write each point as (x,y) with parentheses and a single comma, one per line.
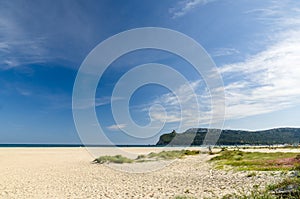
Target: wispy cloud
(116,127)
(183,7)
(4,47)
(28,36)
(22,52)
(24,92)
(224,52)
(280,15)
(182,107)
(100,101)
(16,47)
(265,82)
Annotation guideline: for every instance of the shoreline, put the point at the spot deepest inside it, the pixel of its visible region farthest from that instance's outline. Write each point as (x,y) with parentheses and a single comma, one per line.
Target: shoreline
(139,146)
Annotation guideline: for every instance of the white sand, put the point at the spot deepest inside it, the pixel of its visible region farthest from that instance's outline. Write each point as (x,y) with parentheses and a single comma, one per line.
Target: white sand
(69,173)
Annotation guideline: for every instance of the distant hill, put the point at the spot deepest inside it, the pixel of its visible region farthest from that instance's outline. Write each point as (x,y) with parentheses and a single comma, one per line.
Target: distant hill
(195,136)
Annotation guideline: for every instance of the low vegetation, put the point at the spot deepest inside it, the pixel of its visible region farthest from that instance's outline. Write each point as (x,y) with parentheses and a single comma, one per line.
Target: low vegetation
(167,155)
(163,155)
(289,187)
(256,161)
(114,159)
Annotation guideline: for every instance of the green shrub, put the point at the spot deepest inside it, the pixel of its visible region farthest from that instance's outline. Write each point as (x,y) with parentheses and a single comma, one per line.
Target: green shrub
(172,154)
(223,149)
(141,157)
(296,167)
(114,159)
(191,152)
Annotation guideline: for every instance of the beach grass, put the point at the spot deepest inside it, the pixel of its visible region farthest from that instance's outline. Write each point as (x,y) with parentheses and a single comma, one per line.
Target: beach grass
(254,162)
(287,188)
(167,155)
(113,159)
(257,161)
(284,183)
(163,155)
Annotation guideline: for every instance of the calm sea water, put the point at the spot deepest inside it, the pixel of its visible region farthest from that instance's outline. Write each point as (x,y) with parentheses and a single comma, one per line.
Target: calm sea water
(70,145)
(81,145)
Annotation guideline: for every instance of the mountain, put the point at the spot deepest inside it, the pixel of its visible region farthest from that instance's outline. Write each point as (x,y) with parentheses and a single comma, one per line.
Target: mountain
(195,136)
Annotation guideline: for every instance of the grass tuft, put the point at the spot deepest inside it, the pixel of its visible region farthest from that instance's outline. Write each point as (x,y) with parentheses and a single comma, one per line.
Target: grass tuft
(114,159)
(164,155)
(141,157)
(168,155)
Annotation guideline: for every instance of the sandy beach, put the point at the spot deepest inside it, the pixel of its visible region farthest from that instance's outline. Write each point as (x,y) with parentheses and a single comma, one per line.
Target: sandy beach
(70,173)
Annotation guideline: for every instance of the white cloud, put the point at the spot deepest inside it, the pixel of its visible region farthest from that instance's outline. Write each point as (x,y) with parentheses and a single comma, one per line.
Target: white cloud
(23,91)
(266,82)
(116,127)
(183,107)
(16,47)
(279,16)
(269,80)
(88,103)
(224,52)
(183,7)
(22,52)
(102,101)
(4,47)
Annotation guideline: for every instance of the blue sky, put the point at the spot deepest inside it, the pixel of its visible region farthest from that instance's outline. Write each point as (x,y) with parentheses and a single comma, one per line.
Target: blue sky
(255,45)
